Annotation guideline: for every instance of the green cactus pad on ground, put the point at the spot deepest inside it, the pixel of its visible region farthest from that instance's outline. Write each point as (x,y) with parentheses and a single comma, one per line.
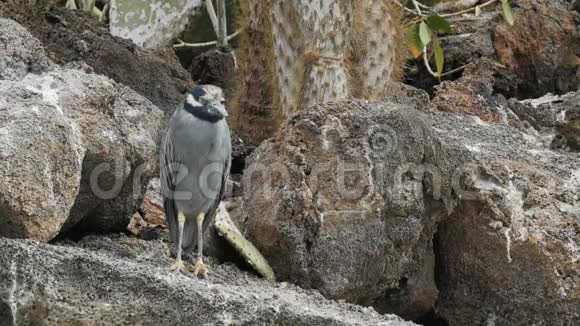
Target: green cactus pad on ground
(226,228)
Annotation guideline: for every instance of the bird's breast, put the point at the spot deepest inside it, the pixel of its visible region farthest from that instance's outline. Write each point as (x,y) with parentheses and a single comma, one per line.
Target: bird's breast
(202,141)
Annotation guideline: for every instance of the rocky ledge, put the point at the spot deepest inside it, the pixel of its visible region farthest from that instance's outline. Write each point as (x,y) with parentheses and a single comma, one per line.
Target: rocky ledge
(117,280)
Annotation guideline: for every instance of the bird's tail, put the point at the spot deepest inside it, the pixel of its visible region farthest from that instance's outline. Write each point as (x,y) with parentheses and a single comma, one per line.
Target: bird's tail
(171,218)
(189,235)
(189,229)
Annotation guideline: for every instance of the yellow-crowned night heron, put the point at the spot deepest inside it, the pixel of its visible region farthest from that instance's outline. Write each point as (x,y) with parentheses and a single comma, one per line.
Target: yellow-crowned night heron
(195,163)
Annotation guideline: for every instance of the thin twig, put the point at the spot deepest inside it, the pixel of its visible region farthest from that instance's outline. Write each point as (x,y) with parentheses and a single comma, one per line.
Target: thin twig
(458,13)
(222,23)
(423,6)
(426,62)
(452,71)
(453,5)
(181,44)
(485,4)
(426,8)
(406,9)
(436,75)
(212,16)
(417,7)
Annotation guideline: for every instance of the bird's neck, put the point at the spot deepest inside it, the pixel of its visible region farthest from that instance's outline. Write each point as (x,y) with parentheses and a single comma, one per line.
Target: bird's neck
(204,113)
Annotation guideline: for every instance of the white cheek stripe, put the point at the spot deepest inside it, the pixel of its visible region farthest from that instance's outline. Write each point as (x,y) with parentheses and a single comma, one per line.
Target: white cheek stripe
(191,101)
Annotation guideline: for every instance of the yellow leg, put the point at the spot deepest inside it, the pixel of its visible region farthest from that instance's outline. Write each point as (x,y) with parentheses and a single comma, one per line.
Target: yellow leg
(178,266)
(199,267)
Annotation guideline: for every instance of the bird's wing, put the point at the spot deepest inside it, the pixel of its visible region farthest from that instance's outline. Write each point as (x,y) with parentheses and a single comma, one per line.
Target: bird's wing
(213,209)
(169,167)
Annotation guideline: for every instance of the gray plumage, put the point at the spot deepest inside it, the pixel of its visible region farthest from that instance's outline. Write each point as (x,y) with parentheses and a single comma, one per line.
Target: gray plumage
(195,161)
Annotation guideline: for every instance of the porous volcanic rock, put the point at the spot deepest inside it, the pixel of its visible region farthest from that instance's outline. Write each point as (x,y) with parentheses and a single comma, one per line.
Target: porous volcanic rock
(539,54)
(73,35)
(75,146)
(508,253)
(348,197)
(117,280)
(337,201)
(20,54)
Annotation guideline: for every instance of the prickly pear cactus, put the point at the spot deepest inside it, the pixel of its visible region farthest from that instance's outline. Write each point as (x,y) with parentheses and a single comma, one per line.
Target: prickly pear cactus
(296,53)
(151,23)
(377,52)
(256,99)
(310,38)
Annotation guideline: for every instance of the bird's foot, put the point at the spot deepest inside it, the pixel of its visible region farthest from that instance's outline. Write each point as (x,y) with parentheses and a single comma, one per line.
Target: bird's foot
(177,267)
(199,269)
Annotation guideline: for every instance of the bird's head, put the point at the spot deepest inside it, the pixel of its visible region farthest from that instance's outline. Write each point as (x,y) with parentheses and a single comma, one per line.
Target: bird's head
(206,102)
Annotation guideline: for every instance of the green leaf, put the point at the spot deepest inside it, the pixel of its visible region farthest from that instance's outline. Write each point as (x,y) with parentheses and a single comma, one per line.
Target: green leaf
(439,57)
(439,23)
(414,41)
(424,33)
(477,11)
(507,12)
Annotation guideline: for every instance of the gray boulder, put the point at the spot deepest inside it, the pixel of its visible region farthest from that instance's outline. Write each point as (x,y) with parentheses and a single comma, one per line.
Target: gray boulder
(508,252)
(554,117)
(537,55)
(568,127)
(74,35)
(337,201)
(41,154)
(124,281)
(19,52)
(382,205)
(78,146)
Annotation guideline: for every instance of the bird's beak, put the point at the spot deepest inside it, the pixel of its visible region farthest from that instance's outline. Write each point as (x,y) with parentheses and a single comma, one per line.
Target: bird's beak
(219,107)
